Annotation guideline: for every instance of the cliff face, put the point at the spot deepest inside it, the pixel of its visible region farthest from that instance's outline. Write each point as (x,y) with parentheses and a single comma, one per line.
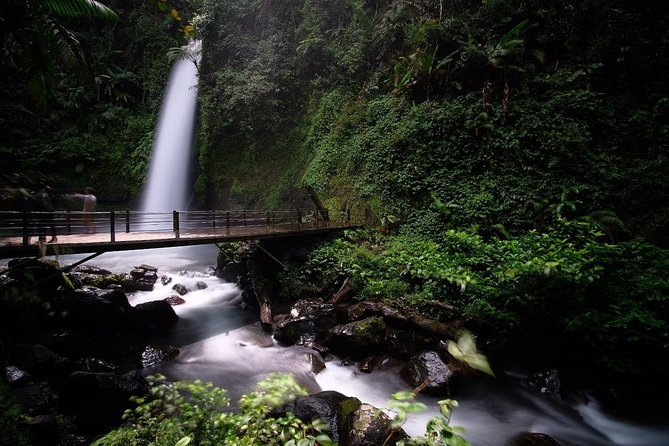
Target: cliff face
(506,112)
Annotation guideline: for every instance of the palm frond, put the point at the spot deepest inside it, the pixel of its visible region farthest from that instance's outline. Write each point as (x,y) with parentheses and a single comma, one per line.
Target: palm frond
(75,8)
(68,50)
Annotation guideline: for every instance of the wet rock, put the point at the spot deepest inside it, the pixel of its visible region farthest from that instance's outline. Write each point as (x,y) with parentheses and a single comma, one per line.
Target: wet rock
(35,399)
(404,344)
(97,365)
(371,427)
(144,285)
(174,300)
(179,288)
(532,439)
(155,354)
(43,430)
(547,382)
(165,280)
(294,331)
(67,342)
(428,371)
(85,311)
(33,358)
(90,269)
(137,273)
(115,296)
(99,399)
(357,339)
(154,315)
(200,285)
(368,365)
(317,364)
(17,377)
(333,408)
(147,268)
(151,276)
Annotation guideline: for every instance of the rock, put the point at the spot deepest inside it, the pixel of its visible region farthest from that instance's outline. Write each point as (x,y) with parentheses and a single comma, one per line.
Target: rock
(155,354)
(294,331)
(200,285)
(96,365)
(232,272)
(17,377)
(115,296)
(371,427)
(179,288)
(42,276)
(85,311)
(144,285)
(67,342)
(90,269)
(147,268)
(137,273)
(33,358)
(332,407)
(532,439)
(98,399)
(174,300)
(35,399)
(547,382)
(43,430)
(405,344)
(165,280)
(317,364)
(428,371)
(153,316)
(357,339)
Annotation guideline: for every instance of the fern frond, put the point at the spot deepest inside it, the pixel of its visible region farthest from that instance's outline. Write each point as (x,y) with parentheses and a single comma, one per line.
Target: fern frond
(76,8)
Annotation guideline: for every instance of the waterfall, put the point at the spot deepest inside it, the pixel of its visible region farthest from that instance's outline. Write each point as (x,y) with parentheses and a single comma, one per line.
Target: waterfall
(167,186)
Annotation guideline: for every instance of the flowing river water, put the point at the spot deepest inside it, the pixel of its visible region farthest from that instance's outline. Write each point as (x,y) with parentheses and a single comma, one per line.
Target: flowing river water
(221,342)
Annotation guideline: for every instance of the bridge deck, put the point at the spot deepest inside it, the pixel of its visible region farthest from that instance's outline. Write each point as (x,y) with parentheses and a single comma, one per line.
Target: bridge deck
(18,238)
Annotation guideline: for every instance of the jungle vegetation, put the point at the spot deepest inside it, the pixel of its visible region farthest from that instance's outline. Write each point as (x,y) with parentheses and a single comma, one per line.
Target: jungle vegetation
(512,153)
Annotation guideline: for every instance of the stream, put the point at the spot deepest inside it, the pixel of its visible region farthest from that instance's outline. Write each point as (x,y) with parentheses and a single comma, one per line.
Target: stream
(221,342)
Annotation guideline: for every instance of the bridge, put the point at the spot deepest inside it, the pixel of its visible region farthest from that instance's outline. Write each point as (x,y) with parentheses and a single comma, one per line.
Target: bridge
(28,233)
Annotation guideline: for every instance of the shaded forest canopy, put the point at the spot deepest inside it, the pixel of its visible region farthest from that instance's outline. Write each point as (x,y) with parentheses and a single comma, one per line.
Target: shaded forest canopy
(520,144)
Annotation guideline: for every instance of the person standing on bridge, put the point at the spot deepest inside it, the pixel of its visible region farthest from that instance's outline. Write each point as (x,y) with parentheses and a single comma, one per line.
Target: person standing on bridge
(90,202)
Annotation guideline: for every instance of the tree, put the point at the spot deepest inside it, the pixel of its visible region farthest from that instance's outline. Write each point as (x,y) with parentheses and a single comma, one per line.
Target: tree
(36,44)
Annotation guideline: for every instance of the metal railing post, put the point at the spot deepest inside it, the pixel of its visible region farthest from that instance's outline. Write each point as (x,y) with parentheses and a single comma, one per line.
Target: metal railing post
(175,223)
(227,223)
(213,219)
(68,223)
(24,228)
(127,222)
(299,218)
(112,226)
(244,217)
(268,220)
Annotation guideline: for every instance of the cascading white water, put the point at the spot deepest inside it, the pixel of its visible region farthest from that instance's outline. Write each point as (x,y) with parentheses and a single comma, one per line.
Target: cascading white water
(167,187)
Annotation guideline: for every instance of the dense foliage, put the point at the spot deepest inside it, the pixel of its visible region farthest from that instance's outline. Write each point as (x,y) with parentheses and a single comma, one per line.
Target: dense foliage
(565,290)
(196,413)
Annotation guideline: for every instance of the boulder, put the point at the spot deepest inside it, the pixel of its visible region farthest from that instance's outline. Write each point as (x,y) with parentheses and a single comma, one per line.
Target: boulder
(332,407)
(97,365)
(357,339)
(174,300)
(294,331)
(33,358)
(532,439)
(317,364)
(153,316)
(372,427)
(85,311)
(179,288)
(200,285)
(35,399)
(98,399)
(429,372)
(17,377)
(67,342)
(404,344)
(90,269)
(165,280)
(43,430)
(368,365)
(155,354)
(547,382)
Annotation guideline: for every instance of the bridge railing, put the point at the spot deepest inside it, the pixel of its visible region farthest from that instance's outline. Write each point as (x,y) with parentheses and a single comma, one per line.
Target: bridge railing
(26,227)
